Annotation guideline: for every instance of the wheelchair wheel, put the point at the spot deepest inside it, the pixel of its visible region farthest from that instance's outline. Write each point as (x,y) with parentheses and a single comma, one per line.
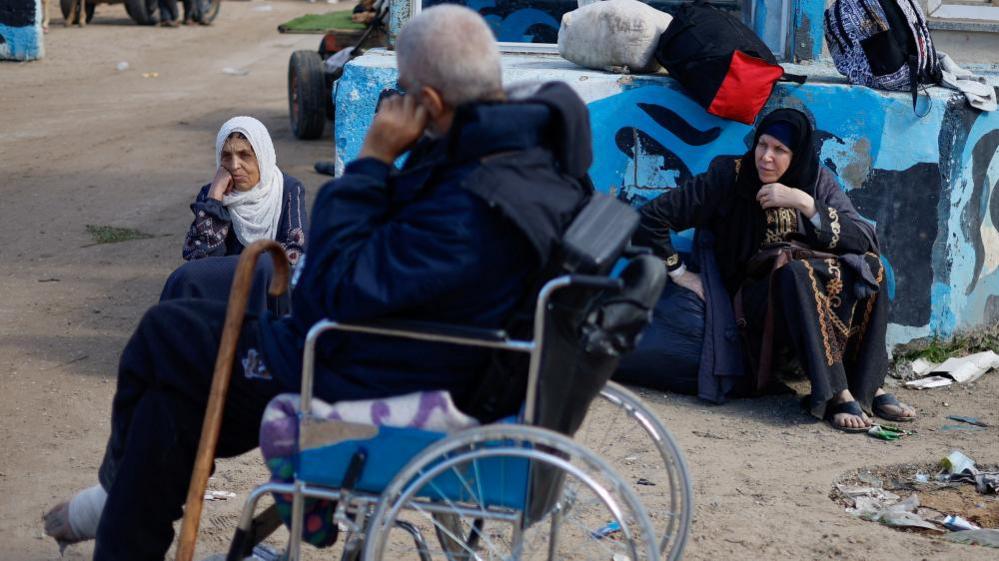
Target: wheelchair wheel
(467,491)
(619,428)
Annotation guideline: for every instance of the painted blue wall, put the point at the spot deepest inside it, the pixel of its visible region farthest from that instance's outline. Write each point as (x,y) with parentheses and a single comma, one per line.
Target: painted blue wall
(21,30)
(537,21)
(931,183)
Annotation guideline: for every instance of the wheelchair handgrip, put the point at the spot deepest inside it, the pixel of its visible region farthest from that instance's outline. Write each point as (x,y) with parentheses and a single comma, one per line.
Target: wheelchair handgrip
(596,281)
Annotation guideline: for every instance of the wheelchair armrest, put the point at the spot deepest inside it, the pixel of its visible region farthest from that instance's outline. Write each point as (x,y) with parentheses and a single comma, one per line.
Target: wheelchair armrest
(636,250)
(596,282)
(435,328)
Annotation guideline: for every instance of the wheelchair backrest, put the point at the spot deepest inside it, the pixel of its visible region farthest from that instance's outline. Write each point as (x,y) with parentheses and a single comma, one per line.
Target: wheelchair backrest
(586,332)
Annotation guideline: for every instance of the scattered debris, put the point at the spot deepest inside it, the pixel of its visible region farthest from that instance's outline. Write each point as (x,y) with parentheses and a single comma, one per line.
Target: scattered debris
(943,501)
(606,530)
(958,524)
(969,420)
(961,370)
(50,279)
(122,66)
(646,482)
(150,74)
(235,71)
(987,483)
(887,432)
(263,8)
(219,495)
(929,382)
(986,537)
(956,462)
(959,427)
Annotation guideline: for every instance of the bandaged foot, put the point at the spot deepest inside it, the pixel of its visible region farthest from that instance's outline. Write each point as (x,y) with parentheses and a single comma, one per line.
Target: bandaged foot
(76,520)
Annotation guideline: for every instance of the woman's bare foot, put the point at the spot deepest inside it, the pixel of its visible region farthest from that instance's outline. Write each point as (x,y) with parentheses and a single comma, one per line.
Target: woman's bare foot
(846,413)
(887,406)
(57,525)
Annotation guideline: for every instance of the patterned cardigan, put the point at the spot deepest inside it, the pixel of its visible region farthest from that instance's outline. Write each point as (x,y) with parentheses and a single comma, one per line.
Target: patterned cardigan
(211,234)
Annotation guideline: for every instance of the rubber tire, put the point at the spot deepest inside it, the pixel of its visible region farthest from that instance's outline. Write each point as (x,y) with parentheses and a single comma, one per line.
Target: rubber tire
(212,11)
(306,95)
(67,6)
(142,12)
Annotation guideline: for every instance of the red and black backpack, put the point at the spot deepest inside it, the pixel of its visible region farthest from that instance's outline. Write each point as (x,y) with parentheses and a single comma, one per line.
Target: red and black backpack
(720,62)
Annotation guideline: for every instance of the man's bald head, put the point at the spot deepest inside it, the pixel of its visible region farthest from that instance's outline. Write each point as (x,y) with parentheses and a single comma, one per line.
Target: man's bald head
(450,49)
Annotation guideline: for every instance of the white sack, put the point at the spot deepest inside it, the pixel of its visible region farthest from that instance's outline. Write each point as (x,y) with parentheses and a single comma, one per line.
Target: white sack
(616,35)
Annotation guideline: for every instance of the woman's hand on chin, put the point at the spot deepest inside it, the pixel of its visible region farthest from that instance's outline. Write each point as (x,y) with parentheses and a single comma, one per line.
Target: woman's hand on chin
(221,184)
(778,195)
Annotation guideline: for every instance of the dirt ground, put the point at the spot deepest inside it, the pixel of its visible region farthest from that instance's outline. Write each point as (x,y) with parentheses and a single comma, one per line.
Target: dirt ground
(82,143)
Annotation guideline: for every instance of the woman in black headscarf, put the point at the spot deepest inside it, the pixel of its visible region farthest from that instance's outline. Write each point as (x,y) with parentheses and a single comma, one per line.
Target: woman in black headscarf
(795,262)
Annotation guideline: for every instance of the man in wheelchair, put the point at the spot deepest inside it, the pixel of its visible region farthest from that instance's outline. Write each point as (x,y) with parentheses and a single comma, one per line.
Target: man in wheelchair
(460,235)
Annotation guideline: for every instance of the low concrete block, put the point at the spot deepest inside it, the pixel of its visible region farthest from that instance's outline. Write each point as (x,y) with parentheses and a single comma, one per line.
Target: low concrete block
(929,179)
(21,30)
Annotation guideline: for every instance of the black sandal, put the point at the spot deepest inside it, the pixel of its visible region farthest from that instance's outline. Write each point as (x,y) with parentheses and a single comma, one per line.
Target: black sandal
(848,407)
(887,399)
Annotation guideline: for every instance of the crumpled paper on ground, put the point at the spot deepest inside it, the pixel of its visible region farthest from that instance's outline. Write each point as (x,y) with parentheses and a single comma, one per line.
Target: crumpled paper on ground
(956,369)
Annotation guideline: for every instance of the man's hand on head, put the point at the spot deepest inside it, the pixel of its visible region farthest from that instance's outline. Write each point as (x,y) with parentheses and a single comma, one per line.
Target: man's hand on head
(399,123)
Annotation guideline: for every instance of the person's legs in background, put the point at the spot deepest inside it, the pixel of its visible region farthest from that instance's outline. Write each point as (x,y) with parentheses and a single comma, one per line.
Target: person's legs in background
(168,13)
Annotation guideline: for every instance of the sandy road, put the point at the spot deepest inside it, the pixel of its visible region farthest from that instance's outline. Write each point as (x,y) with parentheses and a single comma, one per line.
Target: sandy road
(82,143)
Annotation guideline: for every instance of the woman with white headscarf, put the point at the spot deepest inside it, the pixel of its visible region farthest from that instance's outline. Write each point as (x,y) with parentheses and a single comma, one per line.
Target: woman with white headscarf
(249,199)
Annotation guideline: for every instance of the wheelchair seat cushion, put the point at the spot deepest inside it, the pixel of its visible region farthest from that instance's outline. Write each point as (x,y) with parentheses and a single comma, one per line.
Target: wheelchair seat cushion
(279,434)
(429,410)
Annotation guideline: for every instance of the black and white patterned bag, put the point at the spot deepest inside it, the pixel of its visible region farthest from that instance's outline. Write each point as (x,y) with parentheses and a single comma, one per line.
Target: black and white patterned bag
(882,44)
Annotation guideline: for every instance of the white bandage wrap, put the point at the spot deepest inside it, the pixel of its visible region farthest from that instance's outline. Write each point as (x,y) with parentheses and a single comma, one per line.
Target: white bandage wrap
(676,273)
(85,511)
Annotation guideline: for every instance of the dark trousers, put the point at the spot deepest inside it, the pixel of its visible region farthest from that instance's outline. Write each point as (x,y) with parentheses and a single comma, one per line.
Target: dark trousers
(211,278)
(168,10)
(668,355)
(163,383)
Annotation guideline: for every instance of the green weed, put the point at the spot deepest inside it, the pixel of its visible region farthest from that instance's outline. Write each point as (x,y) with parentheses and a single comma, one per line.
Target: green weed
(110,234)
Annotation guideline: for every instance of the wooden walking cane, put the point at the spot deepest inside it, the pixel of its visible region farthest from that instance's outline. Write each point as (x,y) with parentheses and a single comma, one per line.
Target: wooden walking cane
(235,313)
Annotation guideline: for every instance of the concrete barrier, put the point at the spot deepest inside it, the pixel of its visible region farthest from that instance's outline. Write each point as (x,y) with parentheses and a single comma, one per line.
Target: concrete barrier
(928,178)
(21,30)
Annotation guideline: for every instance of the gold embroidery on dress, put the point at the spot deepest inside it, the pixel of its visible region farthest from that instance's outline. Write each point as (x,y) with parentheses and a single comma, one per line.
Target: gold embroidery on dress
(780,223)
(871,300)
(834,225)
(835,332)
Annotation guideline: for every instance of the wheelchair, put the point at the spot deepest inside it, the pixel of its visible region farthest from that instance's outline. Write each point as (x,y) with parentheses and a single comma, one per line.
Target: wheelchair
(519,486)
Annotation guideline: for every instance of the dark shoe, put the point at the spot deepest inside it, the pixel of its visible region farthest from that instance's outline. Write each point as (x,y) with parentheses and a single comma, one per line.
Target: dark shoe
(848,407)
(887,400)
(326,168)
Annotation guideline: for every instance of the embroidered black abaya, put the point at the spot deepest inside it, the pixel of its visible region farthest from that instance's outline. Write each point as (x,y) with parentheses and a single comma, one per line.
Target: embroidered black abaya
(829,311)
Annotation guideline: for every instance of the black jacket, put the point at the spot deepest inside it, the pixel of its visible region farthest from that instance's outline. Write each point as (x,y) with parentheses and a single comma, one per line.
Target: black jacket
(457,236)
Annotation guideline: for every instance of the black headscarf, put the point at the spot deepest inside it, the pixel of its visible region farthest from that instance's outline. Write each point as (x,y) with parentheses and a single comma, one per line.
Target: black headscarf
(804,168)
(745,221)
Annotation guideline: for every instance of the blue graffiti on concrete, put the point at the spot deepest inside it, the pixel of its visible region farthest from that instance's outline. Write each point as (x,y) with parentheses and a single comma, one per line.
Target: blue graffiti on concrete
(930,185)
(530,21)
(20,30)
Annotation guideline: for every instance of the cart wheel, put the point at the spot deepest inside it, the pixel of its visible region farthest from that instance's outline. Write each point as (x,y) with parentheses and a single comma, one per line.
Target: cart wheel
(306,95)
(67,6)
(142,12)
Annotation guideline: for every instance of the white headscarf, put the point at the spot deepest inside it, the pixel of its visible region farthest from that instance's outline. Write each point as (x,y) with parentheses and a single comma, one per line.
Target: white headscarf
(255,213)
